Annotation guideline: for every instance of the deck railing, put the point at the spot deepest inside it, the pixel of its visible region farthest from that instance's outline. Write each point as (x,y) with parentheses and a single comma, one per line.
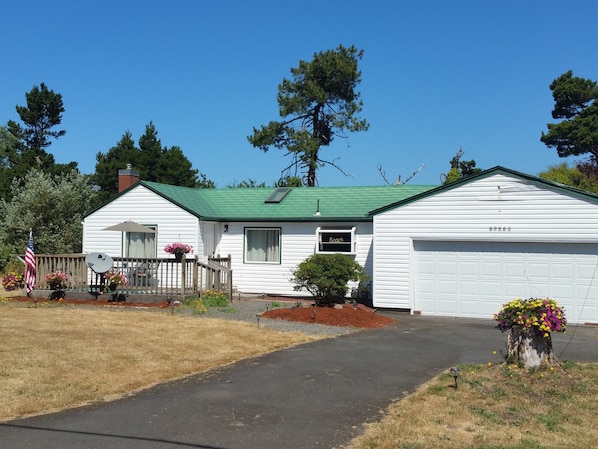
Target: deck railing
(146,276)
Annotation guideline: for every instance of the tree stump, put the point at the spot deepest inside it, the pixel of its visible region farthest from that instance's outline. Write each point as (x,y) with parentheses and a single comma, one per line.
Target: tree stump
(530,347)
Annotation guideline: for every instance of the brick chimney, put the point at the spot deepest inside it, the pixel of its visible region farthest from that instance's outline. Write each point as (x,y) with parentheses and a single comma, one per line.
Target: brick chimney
(127,177)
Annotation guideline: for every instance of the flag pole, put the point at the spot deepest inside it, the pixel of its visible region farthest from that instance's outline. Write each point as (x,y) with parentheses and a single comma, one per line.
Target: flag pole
(30,267)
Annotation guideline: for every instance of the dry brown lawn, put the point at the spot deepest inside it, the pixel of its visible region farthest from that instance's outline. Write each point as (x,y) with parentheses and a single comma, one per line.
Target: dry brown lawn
(55,357)
(494,407)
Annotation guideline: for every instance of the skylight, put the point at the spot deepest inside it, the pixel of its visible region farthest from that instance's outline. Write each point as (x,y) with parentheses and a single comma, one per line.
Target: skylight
(278,195)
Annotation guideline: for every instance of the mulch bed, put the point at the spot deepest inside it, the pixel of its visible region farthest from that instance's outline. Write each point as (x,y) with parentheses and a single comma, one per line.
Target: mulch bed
(90,302)
(345,315)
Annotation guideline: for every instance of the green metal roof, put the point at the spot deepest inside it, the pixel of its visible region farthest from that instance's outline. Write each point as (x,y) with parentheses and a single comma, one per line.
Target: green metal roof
(299,204)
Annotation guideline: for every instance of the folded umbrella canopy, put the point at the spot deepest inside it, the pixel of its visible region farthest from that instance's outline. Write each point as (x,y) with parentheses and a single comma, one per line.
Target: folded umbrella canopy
(129,226)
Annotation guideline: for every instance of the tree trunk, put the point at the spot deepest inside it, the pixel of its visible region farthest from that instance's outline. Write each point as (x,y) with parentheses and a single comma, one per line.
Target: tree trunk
(530,347)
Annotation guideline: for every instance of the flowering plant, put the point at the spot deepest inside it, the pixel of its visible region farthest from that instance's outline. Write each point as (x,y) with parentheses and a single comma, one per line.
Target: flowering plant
(177,247)
(540,315)
(115,277)
(56,278)
(13,280)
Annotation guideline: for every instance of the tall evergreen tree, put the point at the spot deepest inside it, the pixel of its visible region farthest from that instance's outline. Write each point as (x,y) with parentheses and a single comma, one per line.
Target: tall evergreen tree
(107,165)
(575,103)
(318,104)
(42,113)
(175,169)
(150,154)
(26,148)
(153,161)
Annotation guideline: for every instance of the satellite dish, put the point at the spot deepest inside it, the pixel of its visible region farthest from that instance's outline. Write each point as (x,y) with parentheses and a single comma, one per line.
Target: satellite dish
(99,262)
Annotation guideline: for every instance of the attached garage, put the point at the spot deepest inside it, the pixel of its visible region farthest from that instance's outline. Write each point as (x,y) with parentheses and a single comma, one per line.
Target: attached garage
(472,279)
(469,247)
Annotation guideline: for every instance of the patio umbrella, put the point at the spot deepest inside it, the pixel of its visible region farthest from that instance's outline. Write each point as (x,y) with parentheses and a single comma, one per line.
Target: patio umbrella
(129,226)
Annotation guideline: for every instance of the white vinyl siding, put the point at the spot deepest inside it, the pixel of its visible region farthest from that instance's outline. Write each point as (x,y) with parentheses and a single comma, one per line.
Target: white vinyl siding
(172,224)
(500,208)
(297,242)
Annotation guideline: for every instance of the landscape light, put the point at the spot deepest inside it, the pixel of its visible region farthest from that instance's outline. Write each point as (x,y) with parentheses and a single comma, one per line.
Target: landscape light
(455,373)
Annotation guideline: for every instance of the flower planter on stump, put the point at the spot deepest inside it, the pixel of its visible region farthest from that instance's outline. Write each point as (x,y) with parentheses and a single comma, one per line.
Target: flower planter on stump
(530,347)
(178,257)
(529,323)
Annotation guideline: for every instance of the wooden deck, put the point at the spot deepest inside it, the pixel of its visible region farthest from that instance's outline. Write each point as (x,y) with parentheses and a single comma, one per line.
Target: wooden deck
(159,278)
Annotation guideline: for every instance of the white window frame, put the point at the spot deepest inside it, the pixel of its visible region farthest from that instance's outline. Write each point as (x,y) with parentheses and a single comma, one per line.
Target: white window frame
(332,247)
(247,258)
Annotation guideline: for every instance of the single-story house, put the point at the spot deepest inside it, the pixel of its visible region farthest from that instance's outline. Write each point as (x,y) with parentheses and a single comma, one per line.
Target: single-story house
(266,231)
(466,248)
(463,249)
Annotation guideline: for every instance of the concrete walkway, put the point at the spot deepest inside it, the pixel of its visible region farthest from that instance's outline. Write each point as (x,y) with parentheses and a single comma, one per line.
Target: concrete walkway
(316,395)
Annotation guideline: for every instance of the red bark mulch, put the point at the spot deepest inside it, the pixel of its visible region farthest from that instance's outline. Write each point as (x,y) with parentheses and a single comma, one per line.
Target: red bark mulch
(90,302)
(344,315)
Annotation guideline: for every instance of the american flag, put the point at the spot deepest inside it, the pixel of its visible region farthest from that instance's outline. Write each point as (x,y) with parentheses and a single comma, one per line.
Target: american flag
(30,265)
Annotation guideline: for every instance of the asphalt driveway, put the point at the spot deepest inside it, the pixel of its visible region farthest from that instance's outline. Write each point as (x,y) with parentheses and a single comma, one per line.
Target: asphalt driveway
(316,395)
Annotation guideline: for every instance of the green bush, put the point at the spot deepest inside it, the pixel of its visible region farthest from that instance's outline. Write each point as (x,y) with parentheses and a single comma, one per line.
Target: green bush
(196,305)
(213,298)
(325,276)
(209,298)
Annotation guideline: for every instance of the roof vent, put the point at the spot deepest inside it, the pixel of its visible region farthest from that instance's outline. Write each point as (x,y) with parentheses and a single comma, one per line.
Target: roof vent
(278,195)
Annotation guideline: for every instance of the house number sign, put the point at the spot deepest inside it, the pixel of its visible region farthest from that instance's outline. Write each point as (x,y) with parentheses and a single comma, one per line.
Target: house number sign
(499,228)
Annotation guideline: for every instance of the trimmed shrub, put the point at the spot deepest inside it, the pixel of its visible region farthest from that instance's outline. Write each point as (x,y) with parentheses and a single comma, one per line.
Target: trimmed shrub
(325,276)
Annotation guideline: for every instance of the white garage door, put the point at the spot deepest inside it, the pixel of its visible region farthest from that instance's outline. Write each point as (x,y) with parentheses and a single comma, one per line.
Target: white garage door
(474,279)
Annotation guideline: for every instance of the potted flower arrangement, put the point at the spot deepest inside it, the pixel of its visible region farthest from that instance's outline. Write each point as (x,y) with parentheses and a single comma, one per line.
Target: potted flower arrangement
(56,279)
(13,280)
(178,249)
(114,278)
(529,323)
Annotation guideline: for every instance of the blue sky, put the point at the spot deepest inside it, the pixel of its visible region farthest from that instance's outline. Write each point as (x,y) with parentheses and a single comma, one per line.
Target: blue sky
(436,76)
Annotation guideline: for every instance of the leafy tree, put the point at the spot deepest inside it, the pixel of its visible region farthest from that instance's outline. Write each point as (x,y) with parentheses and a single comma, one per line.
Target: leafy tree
(590,169)
(460,169)
(246,184)
(318,104)
(50,205)
(289,181)
(325,276)
(154,162)
(580,178)
(574,103)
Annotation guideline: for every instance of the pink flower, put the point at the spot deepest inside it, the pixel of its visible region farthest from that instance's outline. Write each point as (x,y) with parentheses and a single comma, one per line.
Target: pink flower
(178,247)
